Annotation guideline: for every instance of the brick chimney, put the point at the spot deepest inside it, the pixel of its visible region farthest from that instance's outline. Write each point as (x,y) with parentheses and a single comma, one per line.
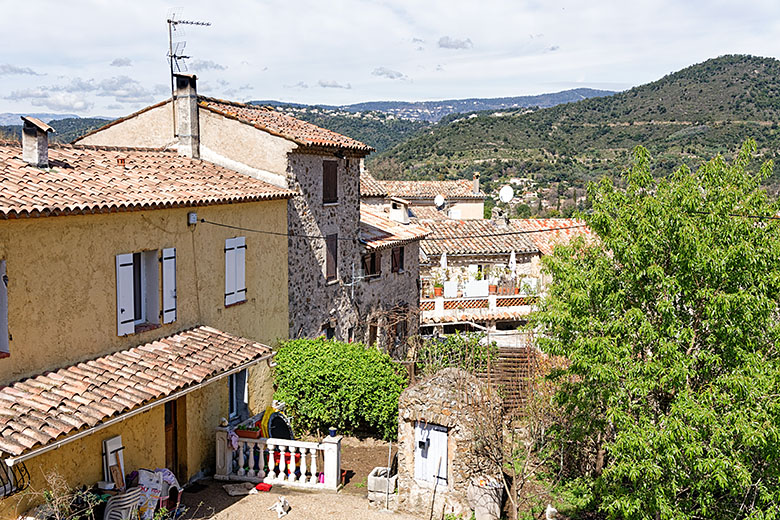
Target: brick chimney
(186,106)
(35,142)
(475,184)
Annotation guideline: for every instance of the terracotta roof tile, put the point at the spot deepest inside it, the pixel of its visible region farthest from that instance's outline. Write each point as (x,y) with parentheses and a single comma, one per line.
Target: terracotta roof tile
(90,180)
(380,232)
(370,187)
(278,123)
(37,411)
(427,319)
(478,236)
(458,189)
(551,231)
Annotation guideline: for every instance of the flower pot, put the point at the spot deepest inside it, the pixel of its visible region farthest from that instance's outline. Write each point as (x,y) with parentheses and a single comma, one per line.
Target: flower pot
(517,290)
(248,434)
(492,289)
(438,291)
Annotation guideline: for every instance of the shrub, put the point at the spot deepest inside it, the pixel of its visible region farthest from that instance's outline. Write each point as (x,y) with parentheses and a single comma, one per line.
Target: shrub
(346,385)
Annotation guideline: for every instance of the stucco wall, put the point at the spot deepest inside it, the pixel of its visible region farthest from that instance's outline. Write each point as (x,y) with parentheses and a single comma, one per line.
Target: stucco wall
(152,128)
(313,301)
(469,209)
(80,462)
(62,280)
(377,296)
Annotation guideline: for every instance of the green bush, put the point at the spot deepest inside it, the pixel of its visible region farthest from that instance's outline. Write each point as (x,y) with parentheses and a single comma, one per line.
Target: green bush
(346,385)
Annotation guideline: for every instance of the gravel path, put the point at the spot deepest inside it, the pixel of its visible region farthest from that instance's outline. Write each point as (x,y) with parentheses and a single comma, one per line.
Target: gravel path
(212,501)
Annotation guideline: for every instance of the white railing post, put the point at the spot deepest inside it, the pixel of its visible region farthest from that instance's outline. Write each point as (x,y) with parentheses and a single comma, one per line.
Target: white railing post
(438,306)
(313,480)
(271,463)
(332,453)
(224,455)
(241,472)
(282,463)
(492,299)
(302,478)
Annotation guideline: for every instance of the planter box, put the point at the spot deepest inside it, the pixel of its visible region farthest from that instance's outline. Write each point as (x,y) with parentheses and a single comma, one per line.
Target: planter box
(378,484)
(248,434)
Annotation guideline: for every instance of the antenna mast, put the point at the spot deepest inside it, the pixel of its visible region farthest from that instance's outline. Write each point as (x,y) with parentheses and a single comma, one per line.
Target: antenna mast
(176,56)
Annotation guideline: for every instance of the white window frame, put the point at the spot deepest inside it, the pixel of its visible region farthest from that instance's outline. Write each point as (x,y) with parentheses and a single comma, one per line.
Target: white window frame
(233,402)
(146,293)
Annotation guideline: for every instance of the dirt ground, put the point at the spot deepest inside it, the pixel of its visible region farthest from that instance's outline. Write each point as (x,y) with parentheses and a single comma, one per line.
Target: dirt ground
(358,457)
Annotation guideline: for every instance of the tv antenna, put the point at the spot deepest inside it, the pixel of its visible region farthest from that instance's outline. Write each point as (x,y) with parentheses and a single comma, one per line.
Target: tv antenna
(176,54)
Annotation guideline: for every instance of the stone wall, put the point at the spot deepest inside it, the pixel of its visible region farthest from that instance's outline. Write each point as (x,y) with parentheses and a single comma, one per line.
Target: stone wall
(382,300)
(458,401)
(314,302)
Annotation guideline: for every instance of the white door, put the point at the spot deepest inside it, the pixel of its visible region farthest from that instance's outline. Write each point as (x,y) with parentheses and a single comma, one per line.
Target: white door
(430,452)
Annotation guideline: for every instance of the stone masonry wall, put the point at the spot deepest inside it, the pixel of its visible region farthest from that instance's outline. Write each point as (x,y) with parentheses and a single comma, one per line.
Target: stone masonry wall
(313,301)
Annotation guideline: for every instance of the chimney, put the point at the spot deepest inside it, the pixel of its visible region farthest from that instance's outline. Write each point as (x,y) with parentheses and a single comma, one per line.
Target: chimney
(35,142)
(475,184)
(399,210)
(186,106)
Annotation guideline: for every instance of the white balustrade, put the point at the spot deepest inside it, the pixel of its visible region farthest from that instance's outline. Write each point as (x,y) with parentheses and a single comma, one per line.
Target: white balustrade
(277,463)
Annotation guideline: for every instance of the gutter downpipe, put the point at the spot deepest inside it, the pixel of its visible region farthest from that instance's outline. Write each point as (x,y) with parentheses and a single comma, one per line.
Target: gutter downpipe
(43,449)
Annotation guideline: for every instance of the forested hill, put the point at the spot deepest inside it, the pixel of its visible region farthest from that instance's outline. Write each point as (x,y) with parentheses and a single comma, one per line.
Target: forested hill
(695,113)
(65,130)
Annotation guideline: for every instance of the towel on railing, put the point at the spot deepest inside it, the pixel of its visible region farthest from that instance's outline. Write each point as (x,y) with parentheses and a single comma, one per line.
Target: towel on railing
(233,438)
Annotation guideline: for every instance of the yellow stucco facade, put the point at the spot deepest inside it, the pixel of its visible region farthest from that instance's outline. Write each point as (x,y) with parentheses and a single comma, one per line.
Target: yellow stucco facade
(62,309)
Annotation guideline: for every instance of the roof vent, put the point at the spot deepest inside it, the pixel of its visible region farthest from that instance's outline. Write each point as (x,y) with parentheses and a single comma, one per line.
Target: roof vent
(35,142)
(399,210)
(120,161)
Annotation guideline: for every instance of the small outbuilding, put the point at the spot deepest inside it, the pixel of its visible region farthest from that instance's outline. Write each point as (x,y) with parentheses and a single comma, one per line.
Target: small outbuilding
(449,436)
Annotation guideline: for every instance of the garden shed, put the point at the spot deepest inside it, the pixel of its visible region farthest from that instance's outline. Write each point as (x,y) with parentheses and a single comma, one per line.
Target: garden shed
(449,435)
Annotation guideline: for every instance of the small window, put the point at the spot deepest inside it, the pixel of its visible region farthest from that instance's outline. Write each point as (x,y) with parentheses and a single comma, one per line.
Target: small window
(372,265)
(331,257)
(400,330)
(329,331)
(235,270)
(4,333)
(372,332)
(330,182)
(138,291)
(398,260)
(238,402)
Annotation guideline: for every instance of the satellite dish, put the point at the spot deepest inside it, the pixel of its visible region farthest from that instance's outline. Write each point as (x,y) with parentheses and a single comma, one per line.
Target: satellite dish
(506,194)
(439,201)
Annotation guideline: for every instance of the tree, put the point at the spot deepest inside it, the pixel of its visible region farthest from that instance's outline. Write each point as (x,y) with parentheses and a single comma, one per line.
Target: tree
(669,322)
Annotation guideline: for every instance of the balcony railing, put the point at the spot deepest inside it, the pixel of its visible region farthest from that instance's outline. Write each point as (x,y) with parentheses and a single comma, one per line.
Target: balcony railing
(280,462)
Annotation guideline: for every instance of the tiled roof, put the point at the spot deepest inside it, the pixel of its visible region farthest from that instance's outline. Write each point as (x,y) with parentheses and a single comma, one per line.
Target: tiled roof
(370,187)
(459,189)
(380,232)
(281,124)
(552,231)
(39,410)
(86,179)
(428,212)
(476,236)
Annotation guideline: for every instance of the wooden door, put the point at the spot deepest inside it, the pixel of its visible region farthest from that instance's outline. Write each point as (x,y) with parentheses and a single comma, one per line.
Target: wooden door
(171,434)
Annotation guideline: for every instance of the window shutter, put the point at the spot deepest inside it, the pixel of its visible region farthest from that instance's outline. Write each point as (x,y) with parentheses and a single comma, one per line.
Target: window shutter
(366,265)
(332,256)
(169,285)
(378,260)
(240,243)
(330,186)
(4,346)
(230,271)
(125,302)
(396,256)
(401,255)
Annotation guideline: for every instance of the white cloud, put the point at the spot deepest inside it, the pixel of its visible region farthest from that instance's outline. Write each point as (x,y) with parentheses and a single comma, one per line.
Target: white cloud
(446,42)
(198,65)
(7,69)
(121,62)
(333,84)
(388,73)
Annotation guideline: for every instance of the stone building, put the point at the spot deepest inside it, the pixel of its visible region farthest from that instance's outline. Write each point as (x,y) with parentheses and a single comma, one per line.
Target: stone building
(321,167)
(449,434)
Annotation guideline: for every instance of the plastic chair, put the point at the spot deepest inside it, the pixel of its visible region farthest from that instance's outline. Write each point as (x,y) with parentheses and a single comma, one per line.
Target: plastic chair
(123,506)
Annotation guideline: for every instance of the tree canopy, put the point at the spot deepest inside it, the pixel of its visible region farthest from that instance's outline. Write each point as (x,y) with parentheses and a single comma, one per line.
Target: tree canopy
(669,322)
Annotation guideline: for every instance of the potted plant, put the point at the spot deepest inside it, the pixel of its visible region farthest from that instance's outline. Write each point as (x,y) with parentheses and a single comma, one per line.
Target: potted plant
(489,275)
(438,289)
(248,432)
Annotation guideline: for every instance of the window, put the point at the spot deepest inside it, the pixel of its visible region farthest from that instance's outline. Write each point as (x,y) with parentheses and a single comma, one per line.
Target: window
(235,274)
(372,332)
(4,333)
(400,331)
(329,331)
(430,452)
(398,260)
(372,264)
(331,257)
(138,289)
(238,395)
(330,182)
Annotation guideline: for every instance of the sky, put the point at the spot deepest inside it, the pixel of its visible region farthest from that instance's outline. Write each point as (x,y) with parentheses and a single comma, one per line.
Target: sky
(108,57)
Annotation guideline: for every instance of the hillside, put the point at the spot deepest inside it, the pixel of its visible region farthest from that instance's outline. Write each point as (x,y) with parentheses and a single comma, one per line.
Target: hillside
(65,130)
(695,113)
(13,119)
(433,111)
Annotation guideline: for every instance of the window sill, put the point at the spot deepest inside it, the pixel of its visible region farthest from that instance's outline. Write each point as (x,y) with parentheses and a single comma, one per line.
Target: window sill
(235,303)
(329,204)
(331,282)
(144,327)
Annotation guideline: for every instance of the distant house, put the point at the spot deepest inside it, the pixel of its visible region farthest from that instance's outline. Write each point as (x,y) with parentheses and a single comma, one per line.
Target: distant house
(462,198)
(122,314)
(321,167)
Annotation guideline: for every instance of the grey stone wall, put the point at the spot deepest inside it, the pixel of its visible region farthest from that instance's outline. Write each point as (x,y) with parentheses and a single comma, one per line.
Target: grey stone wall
(313,301)
(382,299)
